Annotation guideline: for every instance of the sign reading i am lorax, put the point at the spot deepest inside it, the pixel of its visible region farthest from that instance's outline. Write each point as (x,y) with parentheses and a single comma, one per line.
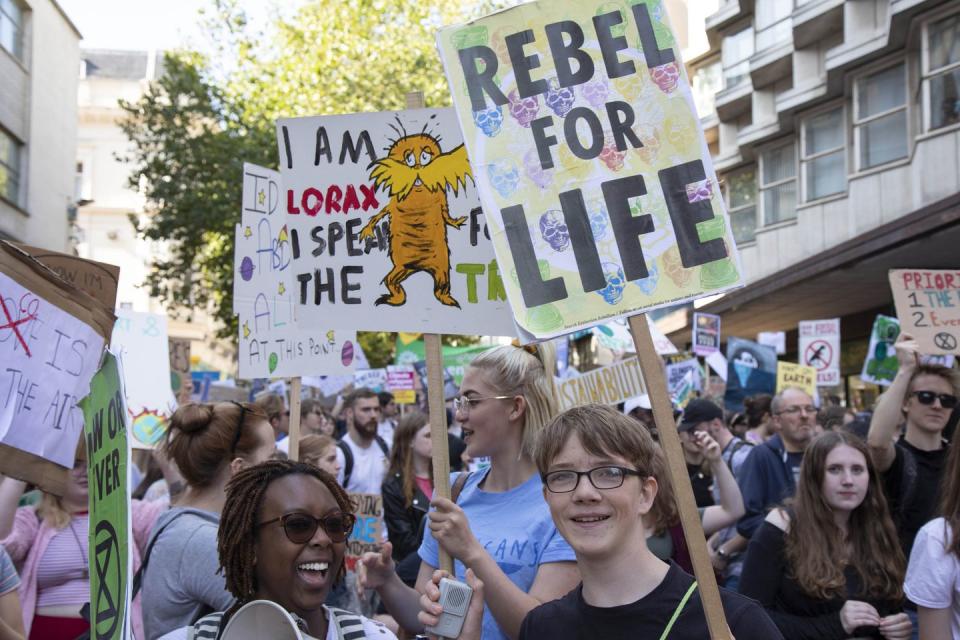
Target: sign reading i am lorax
(617,209)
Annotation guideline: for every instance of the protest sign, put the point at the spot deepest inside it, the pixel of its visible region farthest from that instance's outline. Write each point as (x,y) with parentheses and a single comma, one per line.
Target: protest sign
(608,385)
(819,347)
(612,205)
(108,463)
(683,370)
(455,359)
(790,374)
(180,382)
(272,344)
(881,364)
(386,230)
(373,379)
(751,369)
(615,335)
(706,334)
(51,340)
(928,306)
(775,339)
(98,280)
(367,534)
(718,362)
(400,382)
(140,343)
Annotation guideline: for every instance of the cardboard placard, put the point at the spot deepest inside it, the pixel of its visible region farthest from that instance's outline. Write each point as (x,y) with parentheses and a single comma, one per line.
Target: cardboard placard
(367,534)
(881,364)
(52,337)
(683,374)
(108,464)
(706,334)
(790,374)
(819,347)
(608,385)
(614,207)
(99,280)
(928,306)
(775,339)
(373,379)
(272,343)
(751,369)
(140,338)
(385,225)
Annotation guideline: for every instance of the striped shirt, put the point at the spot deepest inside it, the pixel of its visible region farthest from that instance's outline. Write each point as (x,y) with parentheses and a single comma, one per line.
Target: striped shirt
(62,577)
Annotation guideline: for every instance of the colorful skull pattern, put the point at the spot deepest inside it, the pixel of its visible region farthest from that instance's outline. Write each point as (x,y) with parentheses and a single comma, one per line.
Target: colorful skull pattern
(523,110)
(611,156)
(599,219)
(595,91)
(559,99)
(666,76)
(531,165)
(489,121)
(504,176)
(554,230)
(649,284)
(613,292)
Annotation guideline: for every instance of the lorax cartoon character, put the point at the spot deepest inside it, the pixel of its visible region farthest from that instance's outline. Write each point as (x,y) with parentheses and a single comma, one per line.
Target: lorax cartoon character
(416,175)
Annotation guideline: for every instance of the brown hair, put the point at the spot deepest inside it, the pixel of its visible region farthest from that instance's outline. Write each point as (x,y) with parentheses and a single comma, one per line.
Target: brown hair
(950,499)
(948,374)
(313,445)
(527,372)
(358,394)
(271,404)
(237,534)
(202,438)
(815,547)
(756,407)
(401,456)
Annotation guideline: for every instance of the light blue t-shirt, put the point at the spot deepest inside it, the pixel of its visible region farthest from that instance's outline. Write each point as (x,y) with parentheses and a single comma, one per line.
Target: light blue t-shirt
(514,527)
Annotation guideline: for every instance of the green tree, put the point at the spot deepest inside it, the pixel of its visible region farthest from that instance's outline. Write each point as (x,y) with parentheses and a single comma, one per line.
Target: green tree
(194,127)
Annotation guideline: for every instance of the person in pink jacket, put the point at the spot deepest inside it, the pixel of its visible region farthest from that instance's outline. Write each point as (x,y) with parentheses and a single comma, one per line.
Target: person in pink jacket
(48,545)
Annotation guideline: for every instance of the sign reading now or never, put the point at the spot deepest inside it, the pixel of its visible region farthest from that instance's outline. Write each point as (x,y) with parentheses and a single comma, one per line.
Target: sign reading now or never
(592,167)
(819,347)
(609,385)
(928,306)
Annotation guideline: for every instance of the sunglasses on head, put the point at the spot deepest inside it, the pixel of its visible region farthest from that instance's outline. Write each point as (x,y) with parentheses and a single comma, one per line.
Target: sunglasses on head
(301,527)
(947,401)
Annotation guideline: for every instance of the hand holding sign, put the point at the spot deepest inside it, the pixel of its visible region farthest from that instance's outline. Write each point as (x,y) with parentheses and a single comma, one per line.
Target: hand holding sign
(908,351)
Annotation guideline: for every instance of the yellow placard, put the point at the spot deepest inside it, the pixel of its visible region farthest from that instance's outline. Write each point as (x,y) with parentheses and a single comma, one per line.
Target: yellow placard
(790,374)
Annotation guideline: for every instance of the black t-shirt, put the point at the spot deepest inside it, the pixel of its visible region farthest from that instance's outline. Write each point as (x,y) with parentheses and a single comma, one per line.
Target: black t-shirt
(571,618)
(913,489)
(702,483)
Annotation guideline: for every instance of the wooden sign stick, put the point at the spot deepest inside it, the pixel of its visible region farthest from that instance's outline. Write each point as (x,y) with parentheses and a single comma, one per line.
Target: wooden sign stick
(436,401)
(294,434)
(650,365)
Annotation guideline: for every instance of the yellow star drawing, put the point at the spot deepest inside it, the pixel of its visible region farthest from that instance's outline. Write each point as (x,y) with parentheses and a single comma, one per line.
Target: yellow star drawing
(281,289)
(330,337)
(283,234)
(261,197)
(247,232)
(246,330)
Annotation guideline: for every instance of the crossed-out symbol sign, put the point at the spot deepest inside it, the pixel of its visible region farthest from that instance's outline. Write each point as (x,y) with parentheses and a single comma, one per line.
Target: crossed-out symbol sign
(818,354)
(108,603)
(12,324)
(945,341)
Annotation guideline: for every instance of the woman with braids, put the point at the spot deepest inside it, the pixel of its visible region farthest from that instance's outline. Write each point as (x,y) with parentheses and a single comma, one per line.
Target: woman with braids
(282,537)
(933,575)
(499,526)
(830,565)
(208,443)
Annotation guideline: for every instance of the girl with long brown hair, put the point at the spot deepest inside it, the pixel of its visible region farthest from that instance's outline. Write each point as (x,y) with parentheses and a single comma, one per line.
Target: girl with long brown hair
(408,487)
(933,576)
(829,565)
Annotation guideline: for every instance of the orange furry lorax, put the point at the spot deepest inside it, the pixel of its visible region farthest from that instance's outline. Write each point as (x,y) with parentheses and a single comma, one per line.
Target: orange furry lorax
(416,175)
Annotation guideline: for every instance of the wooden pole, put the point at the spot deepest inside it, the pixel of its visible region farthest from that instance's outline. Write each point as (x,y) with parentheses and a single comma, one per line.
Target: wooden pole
(651,367)
(294,435)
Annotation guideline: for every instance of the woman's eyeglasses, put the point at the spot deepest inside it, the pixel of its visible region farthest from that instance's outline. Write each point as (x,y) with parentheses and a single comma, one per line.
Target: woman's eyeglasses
(947,401)
(462,404)
(301,527)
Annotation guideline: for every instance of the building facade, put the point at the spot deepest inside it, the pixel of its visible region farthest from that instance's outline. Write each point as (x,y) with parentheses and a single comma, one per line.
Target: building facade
(39,57)
(835,130)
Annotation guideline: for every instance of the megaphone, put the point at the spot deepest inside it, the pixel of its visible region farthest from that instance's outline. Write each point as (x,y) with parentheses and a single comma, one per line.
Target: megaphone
(263,620)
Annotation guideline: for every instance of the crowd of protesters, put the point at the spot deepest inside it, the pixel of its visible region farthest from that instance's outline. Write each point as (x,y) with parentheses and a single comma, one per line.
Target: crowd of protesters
(820,523)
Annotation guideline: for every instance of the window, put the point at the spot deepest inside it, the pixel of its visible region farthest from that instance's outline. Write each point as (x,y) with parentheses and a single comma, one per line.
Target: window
(10,151)
(11,27)
(737,49)
(707,80)
(941,73)
(822,160)
(778,183)
(880,117)
(772,25)
(742,203)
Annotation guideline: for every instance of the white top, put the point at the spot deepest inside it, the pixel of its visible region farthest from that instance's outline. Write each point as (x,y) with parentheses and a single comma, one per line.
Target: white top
(933,575)
(385,430)
(369,467)
(371,629)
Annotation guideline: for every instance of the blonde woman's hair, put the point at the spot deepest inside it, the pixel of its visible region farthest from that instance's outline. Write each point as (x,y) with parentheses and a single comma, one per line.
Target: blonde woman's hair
(51,511)
(527,372)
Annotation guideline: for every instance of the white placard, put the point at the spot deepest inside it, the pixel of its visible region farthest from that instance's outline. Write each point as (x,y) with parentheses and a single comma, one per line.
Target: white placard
(819,347)
(775,339)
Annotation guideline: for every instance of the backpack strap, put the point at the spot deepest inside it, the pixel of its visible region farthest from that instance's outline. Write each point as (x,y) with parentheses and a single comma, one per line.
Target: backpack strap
(733,452)
(138,576)
(349,626)
(458,485)
(383,446)
(206,628)
(347,462)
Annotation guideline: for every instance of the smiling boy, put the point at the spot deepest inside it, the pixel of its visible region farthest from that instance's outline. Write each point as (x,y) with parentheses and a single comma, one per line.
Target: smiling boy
(595,464)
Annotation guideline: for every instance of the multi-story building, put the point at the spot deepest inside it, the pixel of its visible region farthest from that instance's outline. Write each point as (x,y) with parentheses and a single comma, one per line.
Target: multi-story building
(835,131)
(39,56)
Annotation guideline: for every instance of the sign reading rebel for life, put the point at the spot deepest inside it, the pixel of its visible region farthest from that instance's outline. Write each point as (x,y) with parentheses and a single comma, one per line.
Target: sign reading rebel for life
(928,306)
(272,344)
(386,230)
(590,161)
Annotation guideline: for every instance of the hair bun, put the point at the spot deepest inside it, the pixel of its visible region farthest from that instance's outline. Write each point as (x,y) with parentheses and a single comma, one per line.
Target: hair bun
(192,417)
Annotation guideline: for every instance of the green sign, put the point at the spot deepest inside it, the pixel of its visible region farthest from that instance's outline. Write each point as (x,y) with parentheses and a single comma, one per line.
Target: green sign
(881,363)
(108,459)
(455,359)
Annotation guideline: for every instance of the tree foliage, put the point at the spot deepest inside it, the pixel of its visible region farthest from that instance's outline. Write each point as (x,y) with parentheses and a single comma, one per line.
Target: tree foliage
(194,127)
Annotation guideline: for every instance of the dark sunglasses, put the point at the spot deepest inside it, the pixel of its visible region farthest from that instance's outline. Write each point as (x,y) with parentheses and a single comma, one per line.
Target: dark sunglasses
(947,401)
(301,527)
